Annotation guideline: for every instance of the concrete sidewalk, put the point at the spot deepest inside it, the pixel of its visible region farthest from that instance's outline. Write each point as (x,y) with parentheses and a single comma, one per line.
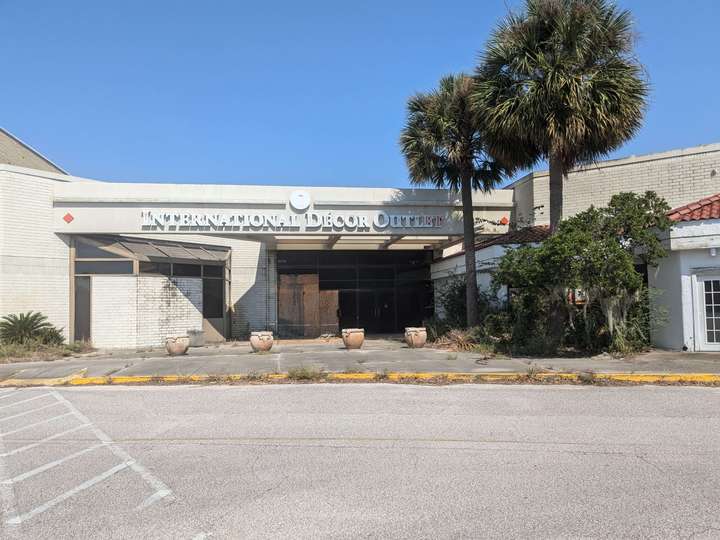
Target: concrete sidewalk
(388,355)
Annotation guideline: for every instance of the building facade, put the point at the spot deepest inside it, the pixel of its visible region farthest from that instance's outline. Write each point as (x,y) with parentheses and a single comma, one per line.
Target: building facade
(126,265)
(129,264)
(678,176)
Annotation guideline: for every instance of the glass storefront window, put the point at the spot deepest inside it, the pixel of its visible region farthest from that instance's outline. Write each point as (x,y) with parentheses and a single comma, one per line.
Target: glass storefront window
(155,268)
(213,304)
(86,250)
(187,270)
(212,271)
(103,267)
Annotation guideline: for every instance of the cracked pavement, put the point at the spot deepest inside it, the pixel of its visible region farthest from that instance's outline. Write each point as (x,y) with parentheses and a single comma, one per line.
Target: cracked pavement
(369,461)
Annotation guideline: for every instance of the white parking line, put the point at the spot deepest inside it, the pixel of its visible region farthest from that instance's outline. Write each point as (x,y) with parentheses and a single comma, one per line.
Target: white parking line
(161,490)
(42,441)
(46,421)
(7,393)
(23,401)
(152,499)
(60,498)
(47,466)
(7,495)
(29,412)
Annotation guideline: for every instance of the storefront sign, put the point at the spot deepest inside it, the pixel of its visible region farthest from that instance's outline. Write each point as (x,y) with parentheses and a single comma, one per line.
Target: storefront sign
(285,221)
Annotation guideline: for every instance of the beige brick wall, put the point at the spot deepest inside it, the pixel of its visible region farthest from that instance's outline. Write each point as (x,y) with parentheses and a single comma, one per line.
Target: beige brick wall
(34,262)
(13,152)
(679,176)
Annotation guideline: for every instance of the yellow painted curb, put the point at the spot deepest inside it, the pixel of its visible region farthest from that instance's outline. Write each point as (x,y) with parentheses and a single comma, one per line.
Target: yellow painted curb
(77,379)
(352,376)
(55,381)
(704,378)
(401,376)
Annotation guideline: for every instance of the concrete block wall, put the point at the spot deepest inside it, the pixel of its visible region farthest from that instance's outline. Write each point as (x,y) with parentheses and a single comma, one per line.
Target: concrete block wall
(167,307)
(114,311)
(679,176)
(142,311)
(253,289)
(34,262)
(253,281)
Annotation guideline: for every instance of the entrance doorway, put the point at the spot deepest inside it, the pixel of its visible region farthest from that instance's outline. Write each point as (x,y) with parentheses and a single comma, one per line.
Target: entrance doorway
(708,320)
(321,292)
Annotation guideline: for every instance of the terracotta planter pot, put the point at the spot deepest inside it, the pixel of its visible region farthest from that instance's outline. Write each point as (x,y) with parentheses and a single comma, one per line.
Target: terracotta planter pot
(353,337)
(176,346)
(261,341)
(415,337)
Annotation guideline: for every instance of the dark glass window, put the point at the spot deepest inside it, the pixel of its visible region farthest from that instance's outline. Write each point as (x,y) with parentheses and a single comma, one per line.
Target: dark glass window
(213,305)
(187,270)
(103,267)
(82,308)
(155,268)
(213,271)
(85,250)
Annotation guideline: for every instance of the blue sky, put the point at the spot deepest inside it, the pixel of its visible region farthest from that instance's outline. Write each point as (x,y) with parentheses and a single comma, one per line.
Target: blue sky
(287,92)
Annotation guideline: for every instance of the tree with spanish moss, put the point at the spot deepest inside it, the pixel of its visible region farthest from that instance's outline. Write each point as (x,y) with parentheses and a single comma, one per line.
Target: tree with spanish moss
(559,81)
(443,145)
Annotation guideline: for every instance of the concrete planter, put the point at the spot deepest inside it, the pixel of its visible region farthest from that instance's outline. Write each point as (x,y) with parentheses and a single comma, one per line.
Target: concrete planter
(353,338)
(261,341)
(415,337)
(177,346)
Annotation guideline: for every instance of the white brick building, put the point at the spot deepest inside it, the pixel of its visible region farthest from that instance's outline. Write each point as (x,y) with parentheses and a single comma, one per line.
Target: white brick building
(129,264)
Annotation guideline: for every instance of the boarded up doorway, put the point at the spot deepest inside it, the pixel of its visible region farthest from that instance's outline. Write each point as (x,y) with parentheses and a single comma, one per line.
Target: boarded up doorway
(304,311)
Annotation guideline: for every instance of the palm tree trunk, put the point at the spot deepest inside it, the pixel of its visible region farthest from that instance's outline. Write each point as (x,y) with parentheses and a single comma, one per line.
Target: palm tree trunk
(471,289)
(557,178)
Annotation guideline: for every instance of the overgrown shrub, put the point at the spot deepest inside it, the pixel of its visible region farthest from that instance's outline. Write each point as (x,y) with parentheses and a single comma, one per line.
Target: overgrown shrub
(593,255)
(29,327)
(435,328)
(452,300)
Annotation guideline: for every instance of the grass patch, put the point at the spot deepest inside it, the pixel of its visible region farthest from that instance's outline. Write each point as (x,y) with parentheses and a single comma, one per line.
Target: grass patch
(304,373)
(12,352)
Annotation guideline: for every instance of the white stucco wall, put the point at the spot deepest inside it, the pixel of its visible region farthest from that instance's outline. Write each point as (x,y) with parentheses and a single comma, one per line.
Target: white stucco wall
(668,296)
(676,278)
(485,262)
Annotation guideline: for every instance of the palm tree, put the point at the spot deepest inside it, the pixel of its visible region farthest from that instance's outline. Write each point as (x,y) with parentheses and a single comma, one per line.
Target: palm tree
(559,81)
(443,146)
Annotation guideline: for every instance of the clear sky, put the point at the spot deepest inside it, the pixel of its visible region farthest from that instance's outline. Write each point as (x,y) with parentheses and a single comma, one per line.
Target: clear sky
(289,92)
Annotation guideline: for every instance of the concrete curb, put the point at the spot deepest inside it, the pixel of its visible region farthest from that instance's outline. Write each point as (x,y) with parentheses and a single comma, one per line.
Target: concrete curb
(54,381)
(438,377)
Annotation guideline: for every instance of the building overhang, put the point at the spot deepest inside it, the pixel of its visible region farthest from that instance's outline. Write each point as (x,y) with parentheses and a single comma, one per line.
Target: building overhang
(283,216)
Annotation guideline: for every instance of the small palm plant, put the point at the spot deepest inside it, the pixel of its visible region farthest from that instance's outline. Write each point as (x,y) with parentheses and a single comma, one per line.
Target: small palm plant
(29,327)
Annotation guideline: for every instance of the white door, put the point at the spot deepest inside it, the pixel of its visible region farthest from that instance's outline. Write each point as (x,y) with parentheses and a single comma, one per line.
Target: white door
(708,318)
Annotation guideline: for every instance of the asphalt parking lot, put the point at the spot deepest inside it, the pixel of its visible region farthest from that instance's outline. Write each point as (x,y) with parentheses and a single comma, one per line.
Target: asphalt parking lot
(370,461)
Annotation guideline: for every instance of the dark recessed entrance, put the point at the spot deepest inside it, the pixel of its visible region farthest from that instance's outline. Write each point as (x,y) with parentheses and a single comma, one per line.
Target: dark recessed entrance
(320,292)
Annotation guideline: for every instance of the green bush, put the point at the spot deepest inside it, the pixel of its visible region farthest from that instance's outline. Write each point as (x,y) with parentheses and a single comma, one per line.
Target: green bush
(27,328)
(595,252)
(452,300)
(435,328)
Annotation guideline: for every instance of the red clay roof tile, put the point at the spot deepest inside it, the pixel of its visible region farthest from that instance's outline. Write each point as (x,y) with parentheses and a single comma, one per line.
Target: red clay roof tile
(707,208)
